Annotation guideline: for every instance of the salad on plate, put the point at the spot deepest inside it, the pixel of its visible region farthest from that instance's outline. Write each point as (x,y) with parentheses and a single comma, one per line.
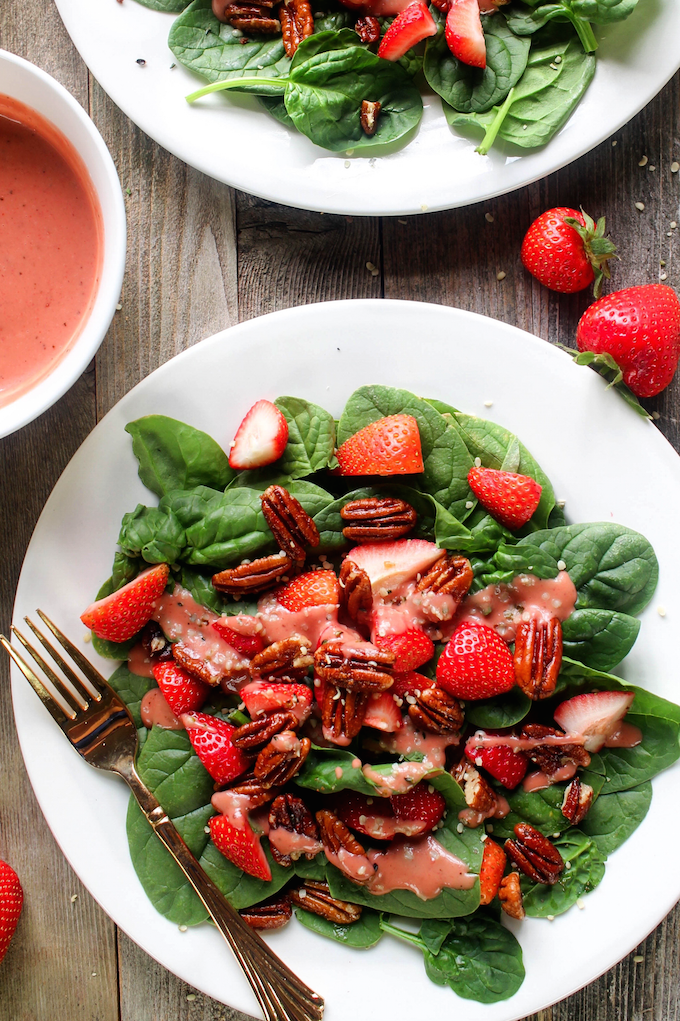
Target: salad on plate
(371,665)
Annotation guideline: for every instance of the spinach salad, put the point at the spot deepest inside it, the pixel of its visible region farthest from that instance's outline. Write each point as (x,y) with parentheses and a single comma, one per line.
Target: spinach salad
(209,519)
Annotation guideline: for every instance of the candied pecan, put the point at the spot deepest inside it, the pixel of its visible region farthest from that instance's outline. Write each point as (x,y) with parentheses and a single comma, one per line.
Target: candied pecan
(255,576)
(287,660)
(248,17)
(316,897)
(272,914)
(356,594)
(377,519)
(335,836)
(448,576)
(281,759)
(289,522)
(355,668)
(535,855)
(198,667)
(550,758)
(479,795)
(343,711)
(252,737)
(578,797)
(538,656)
(370,111)
(289,812)
(442,5)
(250,787)
(368,29)
(156,645)
(435,710)
(297,23)
(510,896)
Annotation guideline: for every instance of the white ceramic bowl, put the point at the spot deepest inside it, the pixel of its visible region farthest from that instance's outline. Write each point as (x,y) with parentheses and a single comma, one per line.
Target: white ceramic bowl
(36,89)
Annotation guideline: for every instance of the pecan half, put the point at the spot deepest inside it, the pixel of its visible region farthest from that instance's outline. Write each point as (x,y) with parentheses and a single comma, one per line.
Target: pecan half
(364,668)
(297,23)
(270,915)
(255,576)
(253,736)
(198,667)
(335,836)
(156,645)
(448,576)
(343,711)
(250,17)
(287,660)
(368,29)
(578,797)
(479,795)
(538,656)
(250,786)
(290,813)
(356,594)
(550,758)
(369,122)
(437,711)
(289,522)
(376,519)
(316,897)
(510,896)
(281,759)
(535,855)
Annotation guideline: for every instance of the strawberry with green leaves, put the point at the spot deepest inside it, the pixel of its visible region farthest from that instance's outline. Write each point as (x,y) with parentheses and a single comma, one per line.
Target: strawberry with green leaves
(567,251)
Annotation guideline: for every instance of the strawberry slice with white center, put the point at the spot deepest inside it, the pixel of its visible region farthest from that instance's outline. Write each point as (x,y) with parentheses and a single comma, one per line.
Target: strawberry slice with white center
(240,845)
(464,34)
(389,446)
(390,564)
(211,740)
(181,690)
(411,26)
(261,437)
(122,614)
(263,696)
(594,716)
(313,588)
(383,713)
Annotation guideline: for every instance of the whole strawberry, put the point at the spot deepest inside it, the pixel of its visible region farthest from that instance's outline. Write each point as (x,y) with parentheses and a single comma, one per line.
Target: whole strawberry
(566,250)
(639,327)
(11,901)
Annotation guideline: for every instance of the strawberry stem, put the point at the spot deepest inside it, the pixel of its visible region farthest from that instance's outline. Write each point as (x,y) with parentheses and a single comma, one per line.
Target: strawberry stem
(584,30)
(495,126)
(597,247)
(410,937)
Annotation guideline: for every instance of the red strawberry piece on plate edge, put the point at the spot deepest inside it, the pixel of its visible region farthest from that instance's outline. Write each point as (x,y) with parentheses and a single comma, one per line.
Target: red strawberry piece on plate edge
(122,614)
(509,497)
(211,740)
(476,663)
(261,437)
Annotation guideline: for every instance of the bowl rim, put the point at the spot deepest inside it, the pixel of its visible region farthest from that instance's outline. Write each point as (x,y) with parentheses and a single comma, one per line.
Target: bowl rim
(30,405)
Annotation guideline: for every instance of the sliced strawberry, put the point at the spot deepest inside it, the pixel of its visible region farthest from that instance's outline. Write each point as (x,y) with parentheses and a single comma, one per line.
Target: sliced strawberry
(383,713)
(410,683)
(420,804)
(409,814)
(240,845)
(476,663)
(411,649)
(504,764)
(464,34)
(262,696)
(211,740)
(594,716)
(389,564)
(11,902)
(261,437)
(511,498)
(247,645)
(491,870)
(122,614)
(182,691)
(314,588)
(390,446)
(411,26)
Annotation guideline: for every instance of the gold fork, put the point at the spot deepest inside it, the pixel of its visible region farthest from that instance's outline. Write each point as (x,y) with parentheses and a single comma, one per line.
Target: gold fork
(99,726)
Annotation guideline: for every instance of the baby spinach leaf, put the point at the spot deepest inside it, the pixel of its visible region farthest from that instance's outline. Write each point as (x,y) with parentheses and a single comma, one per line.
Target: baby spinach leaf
(364,933)
(524,558)
(132,688)
(480,960)
(575,675)
(174,455)
(165,5)
(599,638)
(525,21)
(201,588)
(152,533)
(190,505)
(497,713)
(216,51)
(586,871)
(470,89)
(487,533)
(328,770)
(125,568)
(102,646)
(543,809)
(629,767)
(277,108)
(433,932)
(311,437)
(446,458)
(543,99)
(613,817)
(233,528)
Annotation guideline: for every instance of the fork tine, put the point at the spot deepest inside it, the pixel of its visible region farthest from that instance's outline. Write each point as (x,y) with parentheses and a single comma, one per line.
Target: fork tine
(62,688)
(82,691)
(93,676)
(43,694)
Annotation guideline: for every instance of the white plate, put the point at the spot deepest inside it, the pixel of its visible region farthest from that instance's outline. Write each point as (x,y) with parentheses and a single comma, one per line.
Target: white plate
(235,141)
(606,461)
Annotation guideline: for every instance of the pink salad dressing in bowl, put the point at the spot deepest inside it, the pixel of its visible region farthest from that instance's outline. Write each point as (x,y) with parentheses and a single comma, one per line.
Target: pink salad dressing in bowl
(62,241)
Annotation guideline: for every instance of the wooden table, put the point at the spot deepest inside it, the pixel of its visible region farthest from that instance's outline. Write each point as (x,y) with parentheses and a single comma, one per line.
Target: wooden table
(202,257)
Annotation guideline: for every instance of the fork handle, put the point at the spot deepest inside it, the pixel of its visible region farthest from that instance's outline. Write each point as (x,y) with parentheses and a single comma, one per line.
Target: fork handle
(280,993)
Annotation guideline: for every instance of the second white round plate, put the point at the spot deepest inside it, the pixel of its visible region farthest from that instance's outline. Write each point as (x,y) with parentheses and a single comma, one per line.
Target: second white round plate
(601,457)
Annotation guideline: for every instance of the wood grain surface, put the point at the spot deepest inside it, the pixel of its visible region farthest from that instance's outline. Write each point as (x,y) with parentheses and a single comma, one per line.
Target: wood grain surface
(200,258)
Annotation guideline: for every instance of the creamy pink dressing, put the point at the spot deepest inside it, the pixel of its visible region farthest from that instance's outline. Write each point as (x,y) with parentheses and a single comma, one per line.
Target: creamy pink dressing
(234,806)
(381,827)
(182,619)
(139,662)
(356,867)
(423,866)
(473,818)
(279,623)
(405,609)
(285,742)
(524,744)
(294,844)
(408,740)
(538,781)
(626,735)
(504,607)
(156,712)
(401,777)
